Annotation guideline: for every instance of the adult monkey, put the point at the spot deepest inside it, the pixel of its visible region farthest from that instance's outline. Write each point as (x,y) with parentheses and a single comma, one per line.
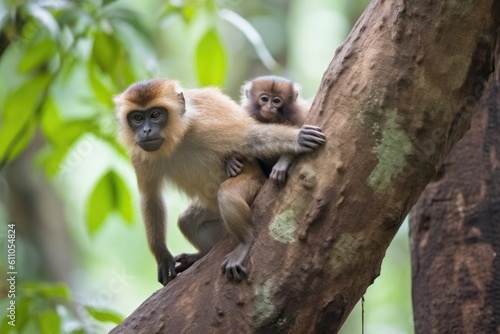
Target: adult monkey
(184,137)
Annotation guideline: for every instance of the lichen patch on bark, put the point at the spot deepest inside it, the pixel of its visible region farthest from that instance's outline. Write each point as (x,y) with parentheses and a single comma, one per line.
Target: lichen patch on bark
(392,152)
(264,307)
(342,249)
(283,227)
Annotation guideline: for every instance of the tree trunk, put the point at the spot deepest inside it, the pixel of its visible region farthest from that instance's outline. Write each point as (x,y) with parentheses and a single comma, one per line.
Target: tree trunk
(394,100)
(455,233)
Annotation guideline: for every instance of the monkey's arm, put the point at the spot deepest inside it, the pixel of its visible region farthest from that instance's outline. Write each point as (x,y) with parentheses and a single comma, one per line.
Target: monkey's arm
(154,215)
(272,140)
(278,173)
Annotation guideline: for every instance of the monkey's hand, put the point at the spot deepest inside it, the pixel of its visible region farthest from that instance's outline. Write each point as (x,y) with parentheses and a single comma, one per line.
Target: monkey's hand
(185,261)
(278,174)
(310,138)
(234,166)
(166,269)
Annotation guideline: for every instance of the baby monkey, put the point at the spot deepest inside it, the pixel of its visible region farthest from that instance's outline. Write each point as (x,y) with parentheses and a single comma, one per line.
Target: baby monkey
(271,99)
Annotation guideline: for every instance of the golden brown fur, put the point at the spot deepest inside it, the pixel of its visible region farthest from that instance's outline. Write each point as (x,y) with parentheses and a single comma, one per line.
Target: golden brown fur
(292,110)
(204,127)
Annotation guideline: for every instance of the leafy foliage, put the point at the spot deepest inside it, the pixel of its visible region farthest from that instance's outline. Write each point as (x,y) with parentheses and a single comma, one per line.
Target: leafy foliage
(211,60)
(50,309)
(61,62)
(51,44)
(78,54)
(110,194)
(60,54)
(90,45)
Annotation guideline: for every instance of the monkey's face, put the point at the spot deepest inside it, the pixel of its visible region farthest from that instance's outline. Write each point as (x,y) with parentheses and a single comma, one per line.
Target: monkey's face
(150,118)
(270,105)
(147,126)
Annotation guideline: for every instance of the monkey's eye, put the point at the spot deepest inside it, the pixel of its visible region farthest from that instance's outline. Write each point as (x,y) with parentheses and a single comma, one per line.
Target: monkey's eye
(276,100)
(155,114)
(264,98)
(138,118)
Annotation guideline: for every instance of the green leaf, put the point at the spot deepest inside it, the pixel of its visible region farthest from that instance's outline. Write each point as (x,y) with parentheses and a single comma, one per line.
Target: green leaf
(105,51)
(123,199)
(51,121)
(22,313)
(4,325)
(124,74)
(211,65)
(36,56)
(52,155)
(5,328)
(50,323)
(100,203)
(50,159)
(109,194)
(18,117)
(104,315)
(131,18)
(189,12)
(101,92)
(107,2)
(63,133)
(61,136)
(45,18)
(169,9)
(51,291)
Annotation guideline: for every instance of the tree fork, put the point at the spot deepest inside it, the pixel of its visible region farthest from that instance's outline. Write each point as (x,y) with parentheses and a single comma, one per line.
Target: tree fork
(400,91)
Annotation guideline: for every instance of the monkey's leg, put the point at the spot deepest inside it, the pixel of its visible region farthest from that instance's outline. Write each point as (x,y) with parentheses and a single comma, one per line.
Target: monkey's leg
(234,196)
(203,228)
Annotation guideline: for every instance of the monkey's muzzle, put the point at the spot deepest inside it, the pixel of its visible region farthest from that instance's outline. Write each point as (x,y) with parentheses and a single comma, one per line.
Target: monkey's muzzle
(151,145)
(268,113)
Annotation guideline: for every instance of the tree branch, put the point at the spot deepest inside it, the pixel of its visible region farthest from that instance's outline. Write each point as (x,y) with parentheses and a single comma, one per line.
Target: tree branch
(398,94)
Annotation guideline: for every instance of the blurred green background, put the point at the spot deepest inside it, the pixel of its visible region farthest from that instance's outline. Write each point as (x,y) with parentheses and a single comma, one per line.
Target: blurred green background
(81,256)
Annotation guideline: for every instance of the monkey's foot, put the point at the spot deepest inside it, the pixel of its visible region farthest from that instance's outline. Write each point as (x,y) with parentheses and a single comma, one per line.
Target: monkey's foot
(185,261)
(166,271)
(232,266)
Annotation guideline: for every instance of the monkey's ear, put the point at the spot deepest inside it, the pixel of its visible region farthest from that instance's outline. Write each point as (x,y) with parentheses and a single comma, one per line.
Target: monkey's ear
(183,101)
(117,98)
(247,93)
(296,90)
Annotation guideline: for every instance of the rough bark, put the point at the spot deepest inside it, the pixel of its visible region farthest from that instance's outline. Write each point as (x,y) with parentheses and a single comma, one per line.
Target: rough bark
(394,100)
(455,233)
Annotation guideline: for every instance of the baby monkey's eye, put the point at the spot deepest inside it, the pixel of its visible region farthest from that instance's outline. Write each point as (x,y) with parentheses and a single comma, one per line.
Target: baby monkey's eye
(277,100)
(264,98)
